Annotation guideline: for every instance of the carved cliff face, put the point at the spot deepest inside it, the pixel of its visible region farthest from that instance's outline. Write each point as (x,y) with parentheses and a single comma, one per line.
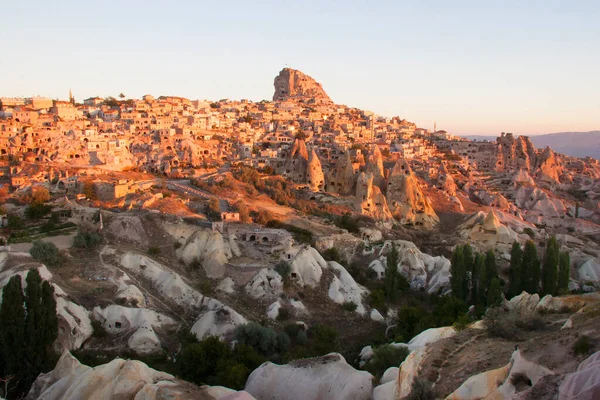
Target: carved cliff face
(294,85)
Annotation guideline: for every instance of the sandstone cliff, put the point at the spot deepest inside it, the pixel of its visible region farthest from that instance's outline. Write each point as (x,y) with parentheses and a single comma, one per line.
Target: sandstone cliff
(291,84)
(314,175)
(369,199)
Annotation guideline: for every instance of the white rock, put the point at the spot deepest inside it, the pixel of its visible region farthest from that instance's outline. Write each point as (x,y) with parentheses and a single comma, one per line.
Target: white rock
(218,322)
(568,324)
(345,289)
(376,316)
(266,283)
(307,267)
(210,249)
(273,310)
(429,336)
(583,384)
(226,286)
(389,375)
(590,272)
(323,377)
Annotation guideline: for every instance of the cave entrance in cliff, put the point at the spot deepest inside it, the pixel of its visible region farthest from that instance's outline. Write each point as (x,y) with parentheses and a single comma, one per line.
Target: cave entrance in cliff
(265,239)
(252,238)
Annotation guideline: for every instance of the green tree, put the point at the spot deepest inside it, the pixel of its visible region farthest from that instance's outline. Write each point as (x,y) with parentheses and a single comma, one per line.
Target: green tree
(34,321)
(482,283)
(490,266)
(12,328)
(458,273)
(514,271)
(530,278)
(564,273)
(45,252)
(478,269)
(550,267)
(494,293)
(393,280)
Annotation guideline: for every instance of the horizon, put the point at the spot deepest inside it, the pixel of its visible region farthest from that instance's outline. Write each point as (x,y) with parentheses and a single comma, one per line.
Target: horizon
(474,69)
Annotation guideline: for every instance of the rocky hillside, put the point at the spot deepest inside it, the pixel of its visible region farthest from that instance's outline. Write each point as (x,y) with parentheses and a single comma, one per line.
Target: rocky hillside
(292,84)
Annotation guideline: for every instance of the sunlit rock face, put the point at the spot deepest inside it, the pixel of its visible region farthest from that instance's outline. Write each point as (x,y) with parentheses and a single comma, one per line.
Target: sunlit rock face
(369,200)
(405,199)
(292,84)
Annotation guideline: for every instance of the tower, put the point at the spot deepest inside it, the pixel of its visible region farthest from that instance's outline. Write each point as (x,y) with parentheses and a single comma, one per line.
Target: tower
(434,127)
(71,98)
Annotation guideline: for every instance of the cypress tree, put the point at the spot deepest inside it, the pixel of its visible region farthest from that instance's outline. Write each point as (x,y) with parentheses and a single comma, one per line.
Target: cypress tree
(530,278)
(564,273)
(478,269)
(34,321)
(12,326)
(550,267)
(514,271)
(50,319)
(391,281)
(490,265)
(469,260)
(458,273)
(494,293)
(482,282)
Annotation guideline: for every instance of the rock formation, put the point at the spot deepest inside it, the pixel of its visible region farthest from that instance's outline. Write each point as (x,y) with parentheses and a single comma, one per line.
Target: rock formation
(445,181)
(340,179)
(487,229)
(515,154)
(374,166)
(325,377)
(119,379)
(405,199)
(548,167)
(369,200)
(292,84)
(296,165)
(314,175)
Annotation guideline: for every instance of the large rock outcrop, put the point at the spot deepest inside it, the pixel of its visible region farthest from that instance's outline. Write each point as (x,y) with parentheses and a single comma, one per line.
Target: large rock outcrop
(369,199)
(340,178)
(292,84)
(548,167)
(515,154)
(583,384)
(374,166)
(296,165)
(487,229)
(326,377)
(314,175)
(445,181)
(405,198)
(119,379)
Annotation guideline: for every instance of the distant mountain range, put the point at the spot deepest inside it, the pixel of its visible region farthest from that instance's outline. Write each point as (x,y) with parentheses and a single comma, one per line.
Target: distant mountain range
(575,144)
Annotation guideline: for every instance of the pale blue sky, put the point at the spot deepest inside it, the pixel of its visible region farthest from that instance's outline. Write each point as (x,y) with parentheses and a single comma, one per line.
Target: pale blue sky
(473,66)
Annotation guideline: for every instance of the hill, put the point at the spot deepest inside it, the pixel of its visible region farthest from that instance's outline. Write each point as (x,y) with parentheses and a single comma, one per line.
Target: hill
(575,144)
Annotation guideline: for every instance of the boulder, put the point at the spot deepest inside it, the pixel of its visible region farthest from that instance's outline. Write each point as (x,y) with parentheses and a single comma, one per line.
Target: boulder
(589,271)
(209,249)
(117,320)
(325,377)
(266,283)
(218,322)
(119,379)
(583,384)
(307,266)
(344,289)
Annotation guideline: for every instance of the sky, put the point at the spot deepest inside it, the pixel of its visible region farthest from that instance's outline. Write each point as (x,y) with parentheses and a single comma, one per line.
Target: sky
(474,67)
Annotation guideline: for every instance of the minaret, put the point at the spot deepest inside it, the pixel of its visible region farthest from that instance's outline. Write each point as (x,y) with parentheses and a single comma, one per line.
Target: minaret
(71,98)
(434,127)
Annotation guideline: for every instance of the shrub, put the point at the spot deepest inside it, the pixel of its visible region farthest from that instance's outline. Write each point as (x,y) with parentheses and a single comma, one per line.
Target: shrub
(153,250)
(332,254)
(15,222)
(530,324)
(45,252)
(37,210)
(421,390)
(86,240)
(325,339)
(582,346)
(283,269)
(301,338)
(461,323)
(292,329)
(349,306)
(499,327)
(529,232)
(284,313)
(347,222)
(377,299)
(98,330)
(263,339)
(384,357)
